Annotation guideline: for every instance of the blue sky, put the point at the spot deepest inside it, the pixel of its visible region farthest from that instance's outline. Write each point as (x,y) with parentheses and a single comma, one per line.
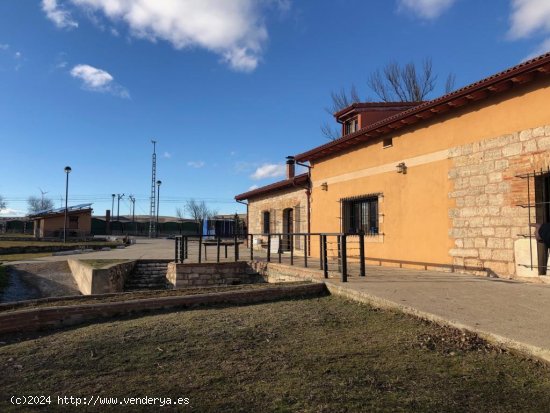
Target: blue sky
(227,88)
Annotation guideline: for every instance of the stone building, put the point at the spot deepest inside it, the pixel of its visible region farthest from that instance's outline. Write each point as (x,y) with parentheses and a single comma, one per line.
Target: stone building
(281,207)
(454,182)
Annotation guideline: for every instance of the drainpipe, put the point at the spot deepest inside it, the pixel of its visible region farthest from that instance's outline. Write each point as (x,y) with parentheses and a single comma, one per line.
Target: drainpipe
(308,197)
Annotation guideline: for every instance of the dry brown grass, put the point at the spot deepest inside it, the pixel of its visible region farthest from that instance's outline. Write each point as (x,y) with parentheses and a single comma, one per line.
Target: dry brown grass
(316,355)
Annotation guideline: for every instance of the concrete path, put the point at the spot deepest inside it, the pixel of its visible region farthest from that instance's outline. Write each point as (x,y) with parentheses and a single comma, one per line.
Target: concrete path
(144,248)
(512,313)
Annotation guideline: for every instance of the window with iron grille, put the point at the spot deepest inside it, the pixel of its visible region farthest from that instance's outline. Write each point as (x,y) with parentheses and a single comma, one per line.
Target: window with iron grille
(266,220)
(360,214)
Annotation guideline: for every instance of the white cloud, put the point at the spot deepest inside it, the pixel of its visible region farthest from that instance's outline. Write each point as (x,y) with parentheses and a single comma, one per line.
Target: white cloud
(61,18)
(426,9)
(167,155)
(268,171)
(253,187)
(4,46)
(18,55)
(98,80)
(9,212)
(528,17)
(196,164)
(232,29)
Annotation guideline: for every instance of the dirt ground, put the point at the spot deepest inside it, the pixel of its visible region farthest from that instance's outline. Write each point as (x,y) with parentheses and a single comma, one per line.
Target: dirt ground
(38,280)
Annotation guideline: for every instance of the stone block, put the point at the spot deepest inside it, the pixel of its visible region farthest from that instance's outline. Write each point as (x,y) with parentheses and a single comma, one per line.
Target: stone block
(495,243)
(495,177)
(464,252)
(500,268)
(512,149)
(538,132)
(496,199)
(503,255)
(485,253)
(529,146)
(544,143)
(501,164)
(502,232)
(487,231)
(524,249)
(480,243)
(480,180)
(525,134)
(475,222)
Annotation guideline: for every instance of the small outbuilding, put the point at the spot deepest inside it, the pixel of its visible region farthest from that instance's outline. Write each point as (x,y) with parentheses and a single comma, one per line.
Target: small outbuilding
(50,223)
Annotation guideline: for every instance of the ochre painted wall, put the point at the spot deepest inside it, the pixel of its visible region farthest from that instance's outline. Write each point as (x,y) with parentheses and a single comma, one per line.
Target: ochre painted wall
(414,209)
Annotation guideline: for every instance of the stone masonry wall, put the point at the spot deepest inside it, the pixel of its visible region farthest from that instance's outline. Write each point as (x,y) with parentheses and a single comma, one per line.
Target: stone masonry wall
(295,198)
(199,275)
(486,218)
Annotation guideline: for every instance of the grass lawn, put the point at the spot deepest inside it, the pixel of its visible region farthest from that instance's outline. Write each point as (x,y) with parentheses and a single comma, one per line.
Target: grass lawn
(316,355)
(23,257)
(103,263)
(136,295)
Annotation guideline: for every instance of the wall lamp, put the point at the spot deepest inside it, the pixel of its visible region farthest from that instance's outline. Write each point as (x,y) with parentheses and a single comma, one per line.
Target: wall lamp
(324,186)
(401,168)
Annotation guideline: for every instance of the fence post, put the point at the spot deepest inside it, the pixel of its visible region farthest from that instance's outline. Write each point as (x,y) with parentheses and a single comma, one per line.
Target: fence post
(186,247)
(176,258)
(236,248)
(343,248)
(268,248)
(339,248)
(321,251)
(218,241)
(280,250)
(305,251)
(200,249)
(324,255)
(362,253)
(250,246)
(291,242)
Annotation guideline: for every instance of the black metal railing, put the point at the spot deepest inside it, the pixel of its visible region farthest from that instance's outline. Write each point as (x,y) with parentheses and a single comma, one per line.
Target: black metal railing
(338,252)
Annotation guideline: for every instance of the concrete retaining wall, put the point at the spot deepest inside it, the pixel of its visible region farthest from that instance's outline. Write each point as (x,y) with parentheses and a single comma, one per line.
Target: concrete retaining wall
(54,317)
(100,280)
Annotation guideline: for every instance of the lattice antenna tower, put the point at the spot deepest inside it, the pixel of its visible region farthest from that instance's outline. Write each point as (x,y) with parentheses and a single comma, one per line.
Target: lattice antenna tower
(152,211)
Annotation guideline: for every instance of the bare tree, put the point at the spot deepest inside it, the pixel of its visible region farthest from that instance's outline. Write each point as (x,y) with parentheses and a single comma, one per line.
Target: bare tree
(198,211)
(3,203)
(392,83)
(36,204)
(396,83)
(339,100)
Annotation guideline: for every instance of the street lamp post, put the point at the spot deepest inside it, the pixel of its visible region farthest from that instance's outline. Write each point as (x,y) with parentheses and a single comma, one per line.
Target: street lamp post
(67,172)
(158,205)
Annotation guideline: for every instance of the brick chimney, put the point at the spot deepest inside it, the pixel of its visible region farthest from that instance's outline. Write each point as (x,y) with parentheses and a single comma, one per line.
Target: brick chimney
(290,168)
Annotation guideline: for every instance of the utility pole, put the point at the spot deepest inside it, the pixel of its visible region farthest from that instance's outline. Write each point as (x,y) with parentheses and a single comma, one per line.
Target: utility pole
(152,222)
(118,206)
(113,206)
(133,212)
